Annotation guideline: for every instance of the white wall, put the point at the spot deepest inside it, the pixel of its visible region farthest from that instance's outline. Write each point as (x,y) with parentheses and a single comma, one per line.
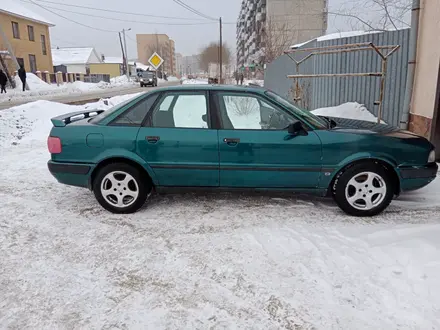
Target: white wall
(94,59)
(428,58)
(76,68)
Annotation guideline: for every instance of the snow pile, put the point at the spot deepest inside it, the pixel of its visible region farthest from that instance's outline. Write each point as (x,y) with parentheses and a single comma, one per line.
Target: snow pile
(350,110)
(120,80)
(33,82)
(253,82)
(229,262)
(195,82)
(172,78)
(336,35)
(16,123)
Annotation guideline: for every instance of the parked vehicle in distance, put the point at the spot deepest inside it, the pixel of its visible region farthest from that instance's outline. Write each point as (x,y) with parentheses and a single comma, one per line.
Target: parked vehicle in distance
(148,78)
(234,137)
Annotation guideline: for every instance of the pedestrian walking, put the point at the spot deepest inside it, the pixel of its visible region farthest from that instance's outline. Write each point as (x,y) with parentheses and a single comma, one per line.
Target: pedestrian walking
(22,75)
(236,76)
(3,81)
(241,78)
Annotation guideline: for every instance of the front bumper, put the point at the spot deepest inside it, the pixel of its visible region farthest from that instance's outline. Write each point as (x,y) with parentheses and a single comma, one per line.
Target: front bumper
(416,177)
(71,174)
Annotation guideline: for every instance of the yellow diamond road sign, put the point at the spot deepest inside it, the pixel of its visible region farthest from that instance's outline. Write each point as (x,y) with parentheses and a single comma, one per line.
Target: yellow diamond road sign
(155,60)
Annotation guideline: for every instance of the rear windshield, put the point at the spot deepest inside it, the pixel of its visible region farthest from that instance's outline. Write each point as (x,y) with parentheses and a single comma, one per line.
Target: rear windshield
(108,112)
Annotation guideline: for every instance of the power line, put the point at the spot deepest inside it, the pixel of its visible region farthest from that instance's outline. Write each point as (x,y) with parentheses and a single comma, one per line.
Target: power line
(119,19)
(184,5)
(118,11)
(71,20)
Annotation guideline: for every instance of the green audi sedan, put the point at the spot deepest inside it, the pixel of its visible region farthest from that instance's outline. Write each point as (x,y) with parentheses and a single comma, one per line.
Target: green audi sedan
(233,138)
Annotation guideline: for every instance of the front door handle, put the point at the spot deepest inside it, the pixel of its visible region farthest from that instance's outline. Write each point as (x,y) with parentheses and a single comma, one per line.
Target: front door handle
(231,141)
(152,139)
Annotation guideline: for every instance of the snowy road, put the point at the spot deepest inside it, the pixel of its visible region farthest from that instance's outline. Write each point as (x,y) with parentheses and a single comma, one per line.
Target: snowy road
(204,262)
(75,98)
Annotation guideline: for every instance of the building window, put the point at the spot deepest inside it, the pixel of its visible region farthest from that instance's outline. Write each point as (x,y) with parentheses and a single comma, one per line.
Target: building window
(32,63)
(20,61)
(15,30)
(31,33)
(43,44)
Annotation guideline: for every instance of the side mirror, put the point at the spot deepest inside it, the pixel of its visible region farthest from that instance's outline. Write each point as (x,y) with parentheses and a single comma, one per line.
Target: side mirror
(297,128)
(205,118)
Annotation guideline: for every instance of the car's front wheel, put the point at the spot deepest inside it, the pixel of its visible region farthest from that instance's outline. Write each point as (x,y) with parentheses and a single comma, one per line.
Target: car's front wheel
(364,189)
(121,188)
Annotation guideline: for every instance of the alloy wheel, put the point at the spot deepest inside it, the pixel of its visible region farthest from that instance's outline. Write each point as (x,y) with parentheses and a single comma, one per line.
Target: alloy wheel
(119,189)
(365,191)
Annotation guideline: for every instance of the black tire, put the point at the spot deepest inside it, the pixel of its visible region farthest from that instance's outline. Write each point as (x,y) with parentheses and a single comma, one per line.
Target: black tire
(144,187)
(342,180)
(142,85)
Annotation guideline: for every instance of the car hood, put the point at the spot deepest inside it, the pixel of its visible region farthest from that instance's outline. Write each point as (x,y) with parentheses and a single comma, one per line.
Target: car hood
(368,127)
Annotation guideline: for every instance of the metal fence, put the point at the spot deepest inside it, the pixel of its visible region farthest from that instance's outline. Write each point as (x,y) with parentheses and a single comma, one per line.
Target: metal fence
(326,92)
(96,78)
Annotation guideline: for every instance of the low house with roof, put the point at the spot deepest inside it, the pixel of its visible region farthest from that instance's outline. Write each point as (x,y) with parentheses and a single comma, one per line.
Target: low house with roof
(27,33)
(75,59)
(112,66)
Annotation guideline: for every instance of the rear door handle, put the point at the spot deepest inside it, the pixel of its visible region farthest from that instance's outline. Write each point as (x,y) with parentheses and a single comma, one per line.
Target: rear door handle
(152,139)
(231,141)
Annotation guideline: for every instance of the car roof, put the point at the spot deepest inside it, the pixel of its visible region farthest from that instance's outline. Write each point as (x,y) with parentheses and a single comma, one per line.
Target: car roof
(208,87)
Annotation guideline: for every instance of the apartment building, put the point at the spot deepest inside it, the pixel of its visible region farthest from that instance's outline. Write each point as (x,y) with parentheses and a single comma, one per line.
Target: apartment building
(191,65)
(179,61)
(303,19)
(147,44)
(28,35)
(173,66)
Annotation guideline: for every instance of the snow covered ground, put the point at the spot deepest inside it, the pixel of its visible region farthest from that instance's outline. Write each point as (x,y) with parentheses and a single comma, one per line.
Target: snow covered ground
(253,82)
(38,88)
(195,82)
(197,262)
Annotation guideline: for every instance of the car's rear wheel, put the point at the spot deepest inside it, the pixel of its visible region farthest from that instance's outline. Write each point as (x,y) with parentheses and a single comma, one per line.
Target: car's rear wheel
(121,188)
(363,190)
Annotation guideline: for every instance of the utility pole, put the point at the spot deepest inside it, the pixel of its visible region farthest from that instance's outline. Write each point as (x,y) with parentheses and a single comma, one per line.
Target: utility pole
(126,54)
(221,51)
(124,71)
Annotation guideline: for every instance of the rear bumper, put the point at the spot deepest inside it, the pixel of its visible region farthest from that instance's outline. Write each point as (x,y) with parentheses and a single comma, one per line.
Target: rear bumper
(71,174)
(417,177)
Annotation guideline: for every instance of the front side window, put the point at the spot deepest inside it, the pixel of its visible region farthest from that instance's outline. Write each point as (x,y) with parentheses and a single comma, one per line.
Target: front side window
(15,30)
(181,111)
(241,111)
(305,115)
(136,114)
(31,33)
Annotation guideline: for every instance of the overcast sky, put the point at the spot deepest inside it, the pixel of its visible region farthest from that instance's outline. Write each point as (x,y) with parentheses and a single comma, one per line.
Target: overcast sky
(189,39)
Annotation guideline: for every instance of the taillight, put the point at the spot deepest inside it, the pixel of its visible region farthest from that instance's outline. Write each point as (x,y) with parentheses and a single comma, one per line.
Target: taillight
(54,144)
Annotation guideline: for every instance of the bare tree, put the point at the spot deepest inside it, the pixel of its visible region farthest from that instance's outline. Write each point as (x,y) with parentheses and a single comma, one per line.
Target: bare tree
(277,36)
(210,54)
(379,15)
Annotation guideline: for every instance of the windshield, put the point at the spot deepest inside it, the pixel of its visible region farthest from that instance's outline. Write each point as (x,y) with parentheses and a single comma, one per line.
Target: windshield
(305,115)
(148,75)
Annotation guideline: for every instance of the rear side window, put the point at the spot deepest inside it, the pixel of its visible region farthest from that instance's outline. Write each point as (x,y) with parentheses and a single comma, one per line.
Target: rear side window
(186,110)
(136,114)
